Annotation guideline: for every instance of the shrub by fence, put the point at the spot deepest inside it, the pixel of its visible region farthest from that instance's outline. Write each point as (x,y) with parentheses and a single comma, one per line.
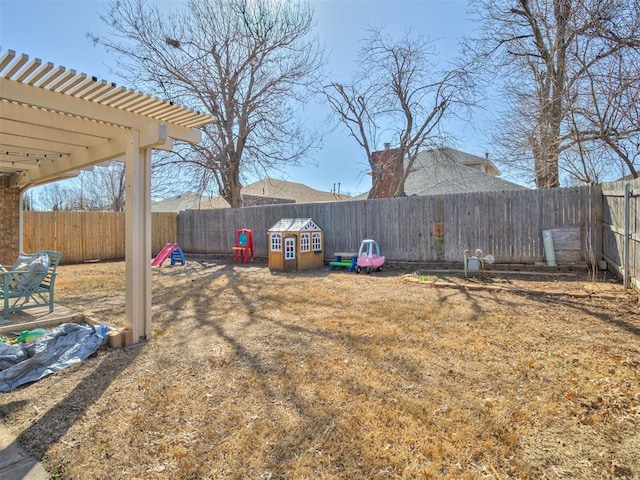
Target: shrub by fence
(83,236)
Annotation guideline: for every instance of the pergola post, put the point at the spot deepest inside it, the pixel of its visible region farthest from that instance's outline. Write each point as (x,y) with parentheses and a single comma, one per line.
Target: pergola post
(138,238)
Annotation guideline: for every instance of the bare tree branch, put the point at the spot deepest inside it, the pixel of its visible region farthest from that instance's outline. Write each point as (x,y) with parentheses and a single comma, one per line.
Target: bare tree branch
(555,56)
(249,63)
(398,90)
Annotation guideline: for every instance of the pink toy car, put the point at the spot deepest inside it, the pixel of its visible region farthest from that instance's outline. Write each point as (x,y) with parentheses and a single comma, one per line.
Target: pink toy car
(369,257)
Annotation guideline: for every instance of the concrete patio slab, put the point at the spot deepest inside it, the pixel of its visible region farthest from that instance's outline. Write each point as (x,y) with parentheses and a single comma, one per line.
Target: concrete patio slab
(15,463)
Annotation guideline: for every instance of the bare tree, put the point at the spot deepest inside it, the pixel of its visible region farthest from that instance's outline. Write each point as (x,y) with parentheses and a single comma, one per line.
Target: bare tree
(247,62)
(102,189)
(398,94)
(56,196)
(526,39)
(27,201)
(99,189)
(604,112)
(546,49)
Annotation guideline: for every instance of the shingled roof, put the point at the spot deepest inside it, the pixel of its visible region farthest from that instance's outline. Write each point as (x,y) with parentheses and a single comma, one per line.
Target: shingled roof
(271,187)
(446,170)
(453,171)
(189,201)
(266,188)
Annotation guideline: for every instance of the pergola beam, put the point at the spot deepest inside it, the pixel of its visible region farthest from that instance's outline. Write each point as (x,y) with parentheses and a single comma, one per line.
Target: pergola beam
(31,116)
(46,133)
(152,135)
(18,92)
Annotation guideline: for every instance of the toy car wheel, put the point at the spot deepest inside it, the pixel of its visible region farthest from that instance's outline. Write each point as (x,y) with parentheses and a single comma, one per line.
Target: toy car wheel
(380,268)
(368,270)
(358,269)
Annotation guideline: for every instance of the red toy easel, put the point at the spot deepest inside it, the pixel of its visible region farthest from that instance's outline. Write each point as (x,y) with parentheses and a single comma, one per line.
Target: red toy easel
(244,245)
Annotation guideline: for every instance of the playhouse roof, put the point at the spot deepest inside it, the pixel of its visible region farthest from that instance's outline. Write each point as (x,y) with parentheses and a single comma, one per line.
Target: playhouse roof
(295,225)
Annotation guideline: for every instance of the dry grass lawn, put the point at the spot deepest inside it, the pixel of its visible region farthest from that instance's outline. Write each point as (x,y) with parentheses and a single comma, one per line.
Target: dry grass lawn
(331,375)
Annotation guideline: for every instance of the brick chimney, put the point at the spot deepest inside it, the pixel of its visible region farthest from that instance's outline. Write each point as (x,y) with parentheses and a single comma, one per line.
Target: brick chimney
(383,164)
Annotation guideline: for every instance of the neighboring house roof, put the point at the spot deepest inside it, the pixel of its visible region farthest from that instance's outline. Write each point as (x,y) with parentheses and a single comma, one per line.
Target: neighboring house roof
(463,158)
(295,225)
(446,170)
(271,187)
(188,201)
(439,178)
(278,190)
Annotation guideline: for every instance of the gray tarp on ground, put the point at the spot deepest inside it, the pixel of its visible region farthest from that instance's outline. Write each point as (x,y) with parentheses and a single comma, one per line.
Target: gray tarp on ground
(59,348)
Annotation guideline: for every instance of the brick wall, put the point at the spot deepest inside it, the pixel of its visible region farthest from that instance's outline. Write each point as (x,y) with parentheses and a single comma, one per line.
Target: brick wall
(383,164)
(9,221)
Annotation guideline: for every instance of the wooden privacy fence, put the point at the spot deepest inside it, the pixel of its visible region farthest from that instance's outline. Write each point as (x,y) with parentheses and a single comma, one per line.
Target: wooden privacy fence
(594,222)
(82,236)
(418,229)
(621,229)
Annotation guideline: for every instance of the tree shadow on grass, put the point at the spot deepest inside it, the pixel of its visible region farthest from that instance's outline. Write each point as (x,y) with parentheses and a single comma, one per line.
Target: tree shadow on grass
(55,423)
(591,310)
(258,362)
(267,375)
(579,304)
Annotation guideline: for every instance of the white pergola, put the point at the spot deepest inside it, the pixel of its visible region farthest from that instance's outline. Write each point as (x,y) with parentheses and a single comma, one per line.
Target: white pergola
(55,122)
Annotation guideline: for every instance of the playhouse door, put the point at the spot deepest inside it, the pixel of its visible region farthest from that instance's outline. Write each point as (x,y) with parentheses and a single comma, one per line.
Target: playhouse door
(290,258)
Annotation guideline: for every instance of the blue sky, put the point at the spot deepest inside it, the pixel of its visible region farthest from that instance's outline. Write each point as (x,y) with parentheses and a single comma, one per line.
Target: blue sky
(55,31)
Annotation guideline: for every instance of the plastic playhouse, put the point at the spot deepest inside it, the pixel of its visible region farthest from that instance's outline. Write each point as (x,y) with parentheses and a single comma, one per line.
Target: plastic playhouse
(295,244)
(369,257)
(244,245)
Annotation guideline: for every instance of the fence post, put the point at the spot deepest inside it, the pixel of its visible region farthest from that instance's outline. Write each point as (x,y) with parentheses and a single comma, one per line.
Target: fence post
(627,236)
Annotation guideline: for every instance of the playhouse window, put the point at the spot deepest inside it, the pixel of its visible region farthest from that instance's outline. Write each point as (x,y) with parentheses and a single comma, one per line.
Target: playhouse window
(276,242)
(316,240)
(305,243)
(289,248)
